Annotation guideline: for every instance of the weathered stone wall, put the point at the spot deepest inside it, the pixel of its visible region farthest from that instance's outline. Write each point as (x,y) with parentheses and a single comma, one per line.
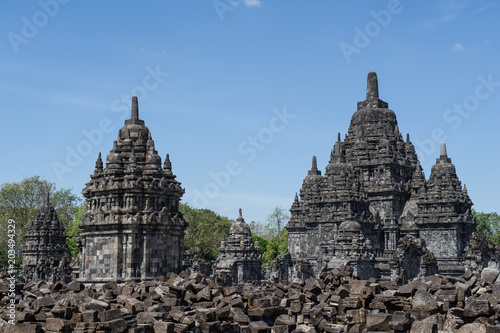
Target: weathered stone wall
(374,180)
(133,229)
(240,259)
(124,257)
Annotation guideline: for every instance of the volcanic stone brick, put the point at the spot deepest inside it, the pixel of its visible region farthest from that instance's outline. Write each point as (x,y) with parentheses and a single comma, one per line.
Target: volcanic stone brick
(239,316)
(259,327)
(97,305)
(378,322)
(285,320)
(240,259)
(26,328)
(57,325)
(163,327)
(489,275)
(45,253)
(423,300)
(454,319)
(356,316)
(113,326)
(180,328)
(133,229)
(89,316)
(109,315)
(400,321)
(373,195)
(428,325)
(134,306)
(476,307)
(46,301)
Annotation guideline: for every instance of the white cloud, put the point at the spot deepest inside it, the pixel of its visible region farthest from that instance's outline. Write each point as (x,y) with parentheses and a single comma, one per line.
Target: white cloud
(252,3)
(482,9)
(457,47)
(431,23)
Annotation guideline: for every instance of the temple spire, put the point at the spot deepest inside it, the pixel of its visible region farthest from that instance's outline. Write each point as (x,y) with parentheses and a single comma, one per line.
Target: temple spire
(135,108)
(314,168)
(134,114)
(372,101)
(372,86)
(98,163)
(240,217)
(47,199)
(443,152)
(167,165)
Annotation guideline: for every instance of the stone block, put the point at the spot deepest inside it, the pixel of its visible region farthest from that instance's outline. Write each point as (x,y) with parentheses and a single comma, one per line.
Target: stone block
(113,326)
(259,327)
(378,322)
(423,300)
(400,321)
(134,306)
(476,307)
(489,275)
(163,327)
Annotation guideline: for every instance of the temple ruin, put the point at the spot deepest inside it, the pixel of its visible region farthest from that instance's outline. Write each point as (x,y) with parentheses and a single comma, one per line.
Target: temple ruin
(240,259)
(45,252)
(133,229)
(374,194)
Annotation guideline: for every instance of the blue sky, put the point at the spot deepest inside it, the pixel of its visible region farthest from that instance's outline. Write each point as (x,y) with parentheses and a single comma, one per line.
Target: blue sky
(242,94)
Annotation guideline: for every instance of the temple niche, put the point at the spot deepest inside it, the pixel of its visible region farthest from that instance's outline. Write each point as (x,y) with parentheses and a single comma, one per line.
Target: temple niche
(374,194)
(45,252)
(133,229)
(240,259)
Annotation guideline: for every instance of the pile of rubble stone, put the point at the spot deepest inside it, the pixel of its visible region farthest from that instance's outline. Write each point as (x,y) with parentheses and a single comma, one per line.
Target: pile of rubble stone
(191,302)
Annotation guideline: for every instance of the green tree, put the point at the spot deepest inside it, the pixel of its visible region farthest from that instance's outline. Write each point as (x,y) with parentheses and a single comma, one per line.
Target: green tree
(73,231)
(20,201)
(275,234)
(277,220)
(205,231)
(275,249)
(262,242)
(488,225)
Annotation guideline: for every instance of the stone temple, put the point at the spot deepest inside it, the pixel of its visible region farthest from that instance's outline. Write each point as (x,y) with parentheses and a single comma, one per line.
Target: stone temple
(45,249)
(133,229)
(240,259)
(374,209)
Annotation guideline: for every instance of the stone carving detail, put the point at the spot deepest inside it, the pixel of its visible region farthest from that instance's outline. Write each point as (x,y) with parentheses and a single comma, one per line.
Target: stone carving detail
(240,259)
(481,253)
(372,195)
(45,253)
(133,229)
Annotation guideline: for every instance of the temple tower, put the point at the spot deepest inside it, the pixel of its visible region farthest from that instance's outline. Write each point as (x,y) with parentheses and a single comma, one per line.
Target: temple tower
(240,259)
(373,194)
(45,237)
(133,229)
(444,215)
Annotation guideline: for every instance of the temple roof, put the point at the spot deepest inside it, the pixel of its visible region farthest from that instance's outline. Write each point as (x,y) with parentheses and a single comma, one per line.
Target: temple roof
(46,219)
(45,236)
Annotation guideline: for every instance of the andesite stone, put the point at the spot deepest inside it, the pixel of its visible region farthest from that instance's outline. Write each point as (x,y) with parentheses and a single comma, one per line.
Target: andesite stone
(374,210)
(133,229)
(240,258)
(45,252)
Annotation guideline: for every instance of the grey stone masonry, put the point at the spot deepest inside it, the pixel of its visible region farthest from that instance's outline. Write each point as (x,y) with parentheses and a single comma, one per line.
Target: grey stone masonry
(44,246)
(240,259)
(374,194)
(133,229)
